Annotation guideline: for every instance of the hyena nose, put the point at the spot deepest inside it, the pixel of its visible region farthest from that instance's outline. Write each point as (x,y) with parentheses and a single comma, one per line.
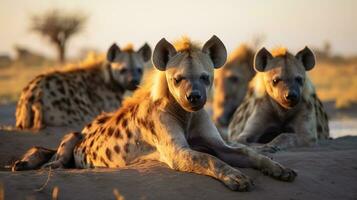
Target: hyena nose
(135,81)
(291,96)
(194,97)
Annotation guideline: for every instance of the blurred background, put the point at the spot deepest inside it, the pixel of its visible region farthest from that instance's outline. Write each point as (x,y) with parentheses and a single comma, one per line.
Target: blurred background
(41,35)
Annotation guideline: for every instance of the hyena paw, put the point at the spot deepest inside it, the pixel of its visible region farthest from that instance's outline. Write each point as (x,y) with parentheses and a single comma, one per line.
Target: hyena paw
(281,173)
(237,181)
(53,165)
(20,166)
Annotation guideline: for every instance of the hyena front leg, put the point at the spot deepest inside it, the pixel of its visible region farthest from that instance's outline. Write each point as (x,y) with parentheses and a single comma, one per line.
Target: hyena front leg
(244,156)
(188,160)
(34,158)
(64,156)
(287,140)
(206,136)
(174,150)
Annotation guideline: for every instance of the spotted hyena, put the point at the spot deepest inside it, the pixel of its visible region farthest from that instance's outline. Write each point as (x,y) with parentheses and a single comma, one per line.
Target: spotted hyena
(164,120)
(231,84)
(76,95)
(281,109)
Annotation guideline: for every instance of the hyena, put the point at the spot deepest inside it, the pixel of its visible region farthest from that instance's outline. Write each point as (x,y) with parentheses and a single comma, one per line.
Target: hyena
(77,95)
(165,120)
(231,84)
(281,109)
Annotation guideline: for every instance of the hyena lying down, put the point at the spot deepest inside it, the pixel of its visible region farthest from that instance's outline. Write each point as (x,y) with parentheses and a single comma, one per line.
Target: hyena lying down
(164,120)
(77,95)
(281,109)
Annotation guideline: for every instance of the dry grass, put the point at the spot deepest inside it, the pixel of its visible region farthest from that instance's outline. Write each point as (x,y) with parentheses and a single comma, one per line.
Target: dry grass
(336,82)
(15,77)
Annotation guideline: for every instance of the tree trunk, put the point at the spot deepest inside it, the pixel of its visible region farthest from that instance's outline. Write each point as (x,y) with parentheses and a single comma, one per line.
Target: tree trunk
(61,50)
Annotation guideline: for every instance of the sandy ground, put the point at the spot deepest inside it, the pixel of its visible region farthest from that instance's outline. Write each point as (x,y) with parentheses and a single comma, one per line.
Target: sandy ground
(327,171)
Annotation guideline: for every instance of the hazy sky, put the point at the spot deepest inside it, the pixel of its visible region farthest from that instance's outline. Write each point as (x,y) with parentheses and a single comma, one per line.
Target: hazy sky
(292,23)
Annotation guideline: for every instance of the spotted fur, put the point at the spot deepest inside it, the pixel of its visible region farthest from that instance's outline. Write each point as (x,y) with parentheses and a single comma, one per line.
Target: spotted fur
(158,123)
(260,119)
(75,95)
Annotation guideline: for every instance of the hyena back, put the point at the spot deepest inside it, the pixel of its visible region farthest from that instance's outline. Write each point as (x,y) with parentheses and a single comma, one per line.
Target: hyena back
(75,96)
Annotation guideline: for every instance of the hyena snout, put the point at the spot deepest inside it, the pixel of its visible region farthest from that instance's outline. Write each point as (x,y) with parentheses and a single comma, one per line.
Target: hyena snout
(134,82)
(194,97)
(292,97)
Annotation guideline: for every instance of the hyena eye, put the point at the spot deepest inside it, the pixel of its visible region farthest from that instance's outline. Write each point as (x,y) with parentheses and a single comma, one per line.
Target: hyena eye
(276,81)
(123,70)
(178,79)
(299,80)
(205,78)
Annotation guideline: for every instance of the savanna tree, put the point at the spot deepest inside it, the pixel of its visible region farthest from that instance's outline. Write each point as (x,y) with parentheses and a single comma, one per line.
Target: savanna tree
(58,27)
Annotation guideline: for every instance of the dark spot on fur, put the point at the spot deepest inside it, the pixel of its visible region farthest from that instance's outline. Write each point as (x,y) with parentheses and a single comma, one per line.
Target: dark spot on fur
(129,133)
(91,143)
(103,161)
(89,125)
(119,117)
(117,149)
(109,154)
(133,110)
(126,147)
(84,149)
(53,94)
(151,127)
(102,119)
(31,99)
(117,134)
(124,122)
(61,90)
(110,131)
(26,88)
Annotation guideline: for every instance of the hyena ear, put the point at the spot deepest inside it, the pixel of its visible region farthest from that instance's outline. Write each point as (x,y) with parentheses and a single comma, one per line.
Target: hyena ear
(307,58)
(113,51)
(216,50)
(145,52)
(261,59)
(163,52)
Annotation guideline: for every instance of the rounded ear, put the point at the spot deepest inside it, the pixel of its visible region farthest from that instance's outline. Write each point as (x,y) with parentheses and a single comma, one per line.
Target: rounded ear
(216,50)
(261,59)
(307,58)
(112,52)
(162,53)
(145,52)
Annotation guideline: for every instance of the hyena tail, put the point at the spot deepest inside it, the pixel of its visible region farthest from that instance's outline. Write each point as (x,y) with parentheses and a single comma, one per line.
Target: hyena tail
(29,113)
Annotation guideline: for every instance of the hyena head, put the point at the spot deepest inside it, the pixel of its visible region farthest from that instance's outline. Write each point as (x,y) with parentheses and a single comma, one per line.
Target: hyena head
(231,84)
(189,69)
(127,65)
(284,74)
